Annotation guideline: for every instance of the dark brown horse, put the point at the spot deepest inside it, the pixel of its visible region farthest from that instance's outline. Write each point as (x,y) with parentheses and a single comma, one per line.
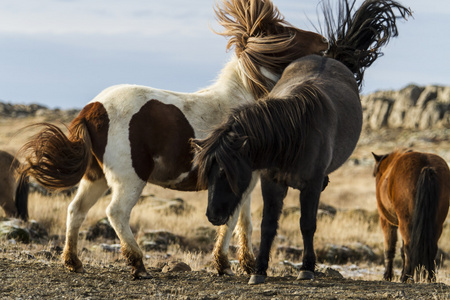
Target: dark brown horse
(302,131)
(13,191)
(413,192)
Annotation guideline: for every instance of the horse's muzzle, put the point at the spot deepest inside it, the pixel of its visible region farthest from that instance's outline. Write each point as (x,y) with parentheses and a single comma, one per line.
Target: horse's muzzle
(217,221)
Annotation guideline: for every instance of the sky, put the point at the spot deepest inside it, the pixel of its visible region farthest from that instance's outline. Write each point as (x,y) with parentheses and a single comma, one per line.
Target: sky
(62,53)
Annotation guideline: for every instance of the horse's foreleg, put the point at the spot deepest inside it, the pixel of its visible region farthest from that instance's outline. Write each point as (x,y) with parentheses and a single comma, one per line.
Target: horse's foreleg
(309,202)
(390,240)
(245,229)
(87,195)
(220,252)
(124,197)
(273,195)
(225,232)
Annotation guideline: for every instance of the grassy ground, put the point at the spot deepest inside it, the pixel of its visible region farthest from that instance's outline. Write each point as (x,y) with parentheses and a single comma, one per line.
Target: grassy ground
(351,189)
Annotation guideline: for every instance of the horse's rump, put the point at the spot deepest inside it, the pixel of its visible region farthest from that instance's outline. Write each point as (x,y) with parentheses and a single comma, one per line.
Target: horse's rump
(413,194)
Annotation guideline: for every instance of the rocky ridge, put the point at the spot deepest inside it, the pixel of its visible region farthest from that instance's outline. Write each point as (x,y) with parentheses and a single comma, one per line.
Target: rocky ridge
(413,107)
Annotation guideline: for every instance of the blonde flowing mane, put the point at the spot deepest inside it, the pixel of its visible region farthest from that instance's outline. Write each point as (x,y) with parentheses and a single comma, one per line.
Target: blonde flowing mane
(262,38)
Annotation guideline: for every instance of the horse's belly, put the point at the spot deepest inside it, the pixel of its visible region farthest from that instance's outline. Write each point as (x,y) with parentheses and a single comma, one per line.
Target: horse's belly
(185,181)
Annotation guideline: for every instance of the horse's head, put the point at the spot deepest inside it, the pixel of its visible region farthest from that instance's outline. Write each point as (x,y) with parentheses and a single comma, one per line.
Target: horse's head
(224,193)
(224,172)
(307,42)
(264,41)
(378,160)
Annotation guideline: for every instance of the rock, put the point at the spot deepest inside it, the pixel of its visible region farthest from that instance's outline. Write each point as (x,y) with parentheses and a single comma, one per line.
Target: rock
(114,248)
(413,107)
(12,230)
(102,229)
(176,266)
(37,231)
(176,206)
(202,240)
(290,252)
(330,272)
(158,240)
(355,252)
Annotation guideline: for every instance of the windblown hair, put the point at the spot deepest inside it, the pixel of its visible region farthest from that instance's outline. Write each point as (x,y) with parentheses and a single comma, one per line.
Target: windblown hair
(261,37)
(356,40)
(55,160)
(267,134)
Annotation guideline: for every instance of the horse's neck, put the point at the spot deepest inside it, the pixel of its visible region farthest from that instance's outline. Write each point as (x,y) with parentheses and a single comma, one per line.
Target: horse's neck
(210,106)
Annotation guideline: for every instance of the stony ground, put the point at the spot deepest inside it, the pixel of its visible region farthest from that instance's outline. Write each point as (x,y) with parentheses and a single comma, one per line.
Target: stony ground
(38,279)
(28,274)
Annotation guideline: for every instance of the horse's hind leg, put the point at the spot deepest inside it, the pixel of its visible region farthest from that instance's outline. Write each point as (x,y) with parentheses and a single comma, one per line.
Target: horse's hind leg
(309,202)
(390,240)
(408,269)
(273,196)
(125,194)
(87,195)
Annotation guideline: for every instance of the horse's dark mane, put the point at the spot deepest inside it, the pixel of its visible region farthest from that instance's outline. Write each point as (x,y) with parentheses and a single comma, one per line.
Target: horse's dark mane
(269,133)
(356,40)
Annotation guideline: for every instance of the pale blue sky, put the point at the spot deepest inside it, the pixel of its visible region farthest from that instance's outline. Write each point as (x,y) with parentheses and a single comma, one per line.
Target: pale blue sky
(61,53)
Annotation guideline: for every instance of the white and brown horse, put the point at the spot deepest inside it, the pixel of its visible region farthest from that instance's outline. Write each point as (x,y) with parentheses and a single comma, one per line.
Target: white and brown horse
(131,135)
(13,191)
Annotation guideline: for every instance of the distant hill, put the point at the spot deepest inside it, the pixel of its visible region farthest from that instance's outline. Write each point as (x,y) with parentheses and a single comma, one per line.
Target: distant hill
(413,107)
(8,110)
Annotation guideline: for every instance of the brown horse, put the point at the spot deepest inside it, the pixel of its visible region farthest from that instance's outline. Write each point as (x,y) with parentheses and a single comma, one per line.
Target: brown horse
(13,192)
(413,194)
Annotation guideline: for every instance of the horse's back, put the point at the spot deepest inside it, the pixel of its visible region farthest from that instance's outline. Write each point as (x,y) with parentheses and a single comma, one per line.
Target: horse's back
(404,174)
(340,123)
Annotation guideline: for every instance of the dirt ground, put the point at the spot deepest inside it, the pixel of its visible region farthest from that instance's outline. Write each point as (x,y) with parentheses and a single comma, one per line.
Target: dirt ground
(26,275)
(38,279)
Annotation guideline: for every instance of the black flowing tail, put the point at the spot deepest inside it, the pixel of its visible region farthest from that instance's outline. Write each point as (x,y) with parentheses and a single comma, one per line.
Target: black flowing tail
(423,233)
(356,38)
(22,191)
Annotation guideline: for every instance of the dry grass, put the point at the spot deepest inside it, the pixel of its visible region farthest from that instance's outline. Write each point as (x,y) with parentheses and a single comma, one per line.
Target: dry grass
(351,187)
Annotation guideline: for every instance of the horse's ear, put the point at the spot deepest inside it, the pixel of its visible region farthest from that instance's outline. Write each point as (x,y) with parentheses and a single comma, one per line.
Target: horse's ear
(377,157)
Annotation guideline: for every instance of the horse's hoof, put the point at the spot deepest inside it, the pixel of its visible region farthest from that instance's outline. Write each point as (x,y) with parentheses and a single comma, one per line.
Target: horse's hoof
(79,269)
(228,272)
(305,275)
(142,275)
(257,279)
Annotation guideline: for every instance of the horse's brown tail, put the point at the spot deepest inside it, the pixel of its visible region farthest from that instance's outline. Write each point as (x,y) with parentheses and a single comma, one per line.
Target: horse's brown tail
(423,233)
(56,160)
(22,191)
(356,39)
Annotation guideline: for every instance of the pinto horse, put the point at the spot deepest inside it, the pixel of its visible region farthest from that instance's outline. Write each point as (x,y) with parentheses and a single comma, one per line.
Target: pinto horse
(413,193)
(302,131)
(13,192)
(131,135)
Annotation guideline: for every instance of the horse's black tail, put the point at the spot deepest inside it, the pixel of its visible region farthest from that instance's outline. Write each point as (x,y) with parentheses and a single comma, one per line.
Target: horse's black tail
(356,39)
(22,190)
(423,232)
